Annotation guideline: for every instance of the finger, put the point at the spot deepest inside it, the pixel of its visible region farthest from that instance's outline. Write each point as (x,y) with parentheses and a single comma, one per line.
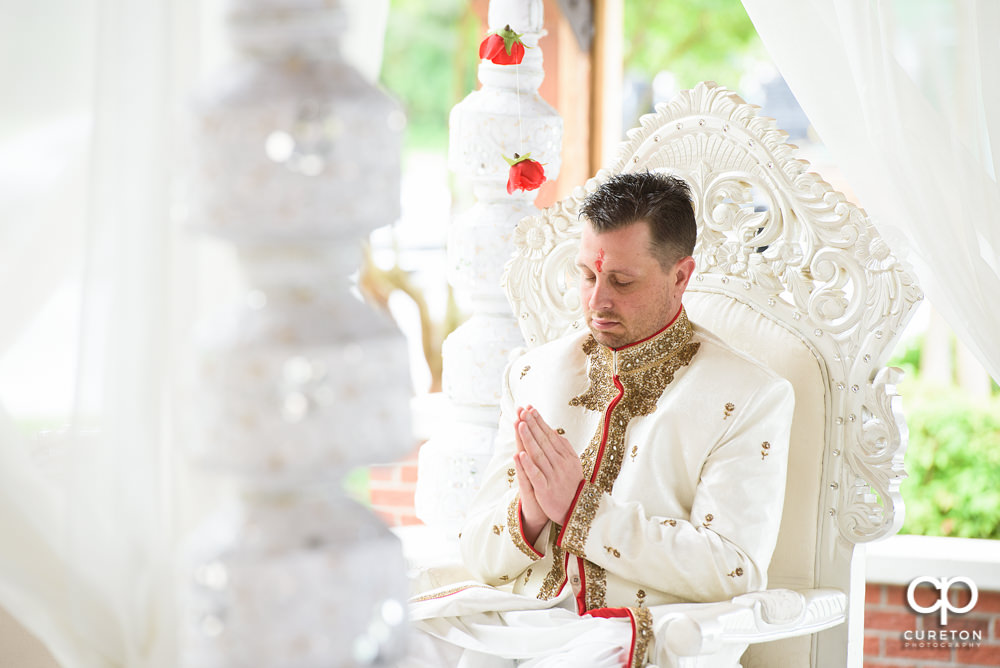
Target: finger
(532,447)
(542,433)
(532,473)
(523,481)
(518,443)
(557,444)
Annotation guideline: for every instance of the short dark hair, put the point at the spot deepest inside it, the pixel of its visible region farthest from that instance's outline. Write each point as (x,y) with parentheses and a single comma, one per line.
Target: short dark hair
(663,201)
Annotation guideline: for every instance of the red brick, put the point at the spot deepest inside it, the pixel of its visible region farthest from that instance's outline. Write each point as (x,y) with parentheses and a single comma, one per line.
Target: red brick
(894,648)
(383,474)
(989,601)
(874,594)
(968,623)
(873,645)
(889,620)
(895,595)
(392,498)
(409,520)
(408,473)
(894,664)
(995,634)
(987,654)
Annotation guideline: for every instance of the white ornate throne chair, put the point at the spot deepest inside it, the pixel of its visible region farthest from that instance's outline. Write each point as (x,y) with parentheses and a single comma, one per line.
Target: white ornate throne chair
(794,275)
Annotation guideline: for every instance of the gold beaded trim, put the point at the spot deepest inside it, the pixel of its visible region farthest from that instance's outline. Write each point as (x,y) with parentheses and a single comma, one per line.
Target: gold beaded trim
(643,634)
(597,585)
(574,537)
(554,579)
(448,592)
(514,529)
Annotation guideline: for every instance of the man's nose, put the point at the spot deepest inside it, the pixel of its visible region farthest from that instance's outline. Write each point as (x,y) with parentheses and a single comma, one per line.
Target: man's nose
(600,297)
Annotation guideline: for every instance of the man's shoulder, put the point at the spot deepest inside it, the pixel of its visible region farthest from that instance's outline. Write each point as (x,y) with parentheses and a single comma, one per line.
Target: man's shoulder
(717,351)
(557,351)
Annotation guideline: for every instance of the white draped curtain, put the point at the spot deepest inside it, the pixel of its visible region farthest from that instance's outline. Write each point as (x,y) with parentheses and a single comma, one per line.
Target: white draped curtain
(86,506)
(91,154)
(906,97)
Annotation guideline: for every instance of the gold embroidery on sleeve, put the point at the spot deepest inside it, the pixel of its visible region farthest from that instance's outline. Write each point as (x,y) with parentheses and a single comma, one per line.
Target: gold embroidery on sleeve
(504,578)
(640,597)
(635,451)
(557,574)
(669,522)
(497,528)
(597,585)
(510,477)
(578,525)
(560,431)
(527,576)
(736,573)
(525,370)
(447,592)
(764,447)
(708,520)
(614,551)
(643,635)
(514,529)
(730,407)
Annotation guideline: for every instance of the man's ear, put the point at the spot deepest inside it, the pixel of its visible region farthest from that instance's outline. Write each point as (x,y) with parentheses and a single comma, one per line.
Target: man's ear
(683,271)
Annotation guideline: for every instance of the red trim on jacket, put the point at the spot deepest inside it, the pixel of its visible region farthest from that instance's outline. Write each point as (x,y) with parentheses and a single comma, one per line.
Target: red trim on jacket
(612,613)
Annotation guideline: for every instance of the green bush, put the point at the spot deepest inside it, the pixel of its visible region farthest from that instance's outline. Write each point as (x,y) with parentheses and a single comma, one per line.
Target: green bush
(953,461)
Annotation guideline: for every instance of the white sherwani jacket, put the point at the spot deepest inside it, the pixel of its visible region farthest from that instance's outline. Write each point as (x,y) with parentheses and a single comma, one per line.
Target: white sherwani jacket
(684,446)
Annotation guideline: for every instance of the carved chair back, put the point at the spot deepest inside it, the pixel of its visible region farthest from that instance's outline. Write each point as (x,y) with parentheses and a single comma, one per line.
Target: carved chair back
(793,274)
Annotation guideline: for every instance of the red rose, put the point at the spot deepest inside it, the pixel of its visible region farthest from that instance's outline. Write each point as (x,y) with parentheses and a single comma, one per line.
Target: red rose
(525,174)
(502,48)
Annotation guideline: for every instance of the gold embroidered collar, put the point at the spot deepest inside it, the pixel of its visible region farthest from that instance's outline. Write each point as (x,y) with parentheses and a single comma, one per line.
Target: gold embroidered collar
(644,368)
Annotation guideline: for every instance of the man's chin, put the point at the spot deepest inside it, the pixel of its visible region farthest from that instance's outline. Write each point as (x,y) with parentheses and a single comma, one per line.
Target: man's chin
(608,338)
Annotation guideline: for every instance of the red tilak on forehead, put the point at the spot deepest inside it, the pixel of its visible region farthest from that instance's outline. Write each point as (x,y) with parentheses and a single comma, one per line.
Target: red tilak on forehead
(599,262)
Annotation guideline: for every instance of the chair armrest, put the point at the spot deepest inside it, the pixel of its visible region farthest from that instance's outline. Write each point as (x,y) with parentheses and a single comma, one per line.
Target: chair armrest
(752,618)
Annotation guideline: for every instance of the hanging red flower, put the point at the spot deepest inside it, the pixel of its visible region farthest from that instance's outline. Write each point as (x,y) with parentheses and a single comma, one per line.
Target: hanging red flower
(525,173)
(502,48)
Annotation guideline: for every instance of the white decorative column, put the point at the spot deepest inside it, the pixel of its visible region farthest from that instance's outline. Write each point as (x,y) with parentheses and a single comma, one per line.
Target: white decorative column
(296,160)
(506,116)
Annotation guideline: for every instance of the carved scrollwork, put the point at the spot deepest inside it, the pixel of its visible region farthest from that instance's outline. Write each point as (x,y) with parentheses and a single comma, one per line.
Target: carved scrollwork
(878,453)
(774,235)
(541,279)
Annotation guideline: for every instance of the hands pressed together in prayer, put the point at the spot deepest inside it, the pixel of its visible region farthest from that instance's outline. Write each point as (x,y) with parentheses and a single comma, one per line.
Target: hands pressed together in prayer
(548,472)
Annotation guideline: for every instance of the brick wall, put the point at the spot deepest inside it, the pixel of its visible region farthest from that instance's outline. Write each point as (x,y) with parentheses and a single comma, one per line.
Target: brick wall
(391,488)
(888,616)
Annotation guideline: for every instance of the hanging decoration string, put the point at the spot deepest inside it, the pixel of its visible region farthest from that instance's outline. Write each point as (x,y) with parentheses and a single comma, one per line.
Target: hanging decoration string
(506,48)
(517,93)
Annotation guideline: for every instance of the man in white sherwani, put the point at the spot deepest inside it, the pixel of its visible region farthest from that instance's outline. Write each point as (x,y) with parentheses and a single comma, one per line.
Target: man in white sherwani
(639,466)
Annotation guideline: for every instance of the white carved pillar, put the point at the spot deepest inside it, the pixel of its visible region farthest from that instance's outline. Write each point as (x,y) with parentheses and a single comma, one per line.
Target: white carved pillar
(506,116)
(296,160)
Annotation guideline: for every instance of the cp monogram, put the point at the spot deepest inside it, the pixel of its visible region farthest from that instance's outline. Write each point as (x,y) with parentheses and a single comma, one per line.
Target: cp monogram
(942,585)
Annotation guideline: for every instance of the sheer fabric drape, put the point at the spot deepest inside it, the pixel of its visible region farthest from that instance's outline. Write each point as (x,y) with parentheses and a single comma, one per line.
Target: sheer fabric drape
(86,508)
(905,96)
(90,160)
